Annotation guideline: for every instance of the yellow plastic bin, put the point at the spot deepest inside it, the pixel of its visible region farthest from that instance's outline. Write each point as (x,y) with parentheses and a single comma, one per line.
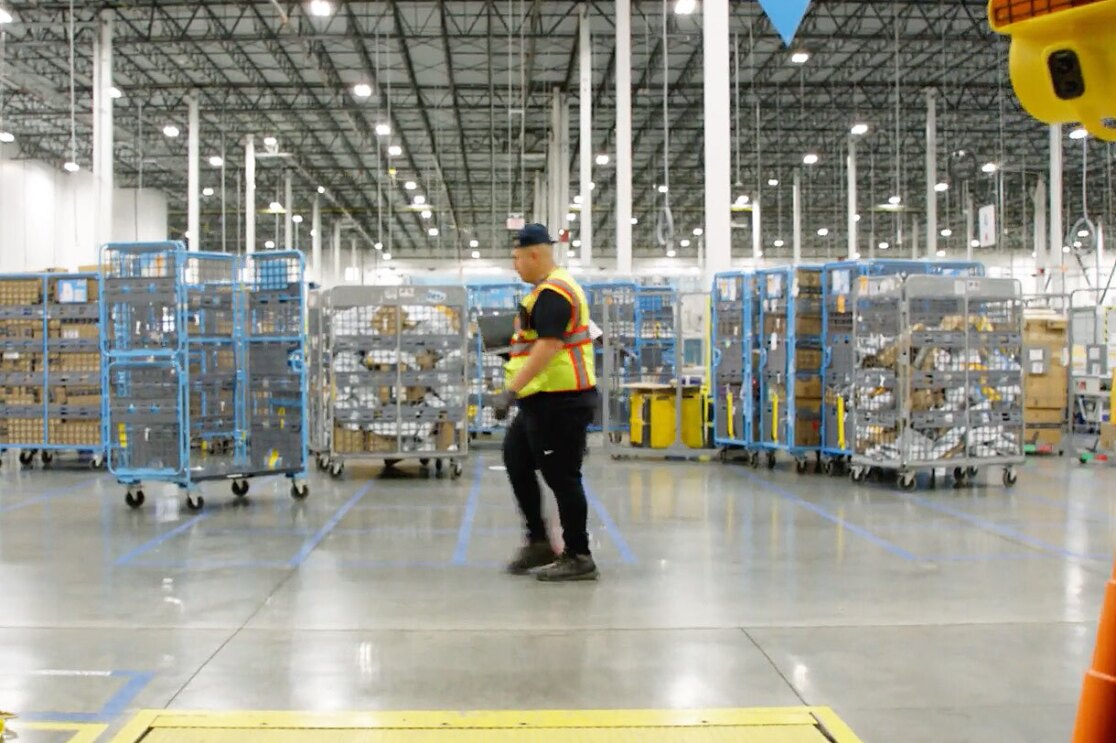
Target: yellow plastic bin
(654,417)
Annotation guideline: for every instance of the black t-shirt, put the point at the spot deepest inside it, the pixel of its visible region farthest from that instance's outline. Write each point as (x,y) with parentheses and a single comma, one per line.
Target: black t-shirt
(549,317)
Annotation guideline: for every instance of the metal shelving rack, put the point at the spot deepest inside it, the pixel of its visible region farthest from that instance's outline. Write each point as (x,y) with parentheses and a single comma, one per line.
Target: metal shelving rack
(841,284)
(50,366)
(205,374)
(613,306)
(487,368)
(398,370)
(939,377)
(318,399)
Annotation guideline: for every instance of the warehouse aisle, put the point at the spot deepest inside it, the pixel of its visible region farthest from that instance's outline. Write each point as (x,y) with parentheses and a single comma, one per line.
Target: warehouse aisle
(723,587)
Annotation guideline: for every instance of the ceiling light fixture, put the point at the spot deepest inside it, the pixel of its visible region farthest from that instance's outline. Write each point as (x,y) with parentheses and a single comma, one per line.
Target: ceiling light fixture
(989,168)
(742,200)
(941,187)
(207,191)
(779,242)
(1079,133)
(170,131)
(7,137)
(663,189)
(635,220)
(362,90)
(410,185)
(576,243)
(698,232)
(800,57)
(940,254)
(395,150)
(433,232)
(387,256)
(115,93)
(811,158)
(603,159)
(1065,249)
(773,182)
(474,243)
(859,129)
(684,244)
(419,199)
(270,142)
(884,245)
(685,7)
(5,17)
(974,243)
(378,246)
(321,189)
(71,166)
(275,206)
(383,130)
(823,232)
(270,245)
(321,8)
(577,199)
(895,200)
(571,217)
(947,232)
(297,219)
(216,161)
(1083,233)
(476,254)
(427,214)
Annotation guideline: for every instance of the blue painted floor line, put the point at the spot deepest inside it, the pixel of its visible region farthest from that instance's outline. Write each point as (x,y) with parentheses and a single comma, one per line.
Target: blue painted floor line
(111,711)
(76,488)
(465,533)
(166,536)
(612,528)
(311,544)
(831,517)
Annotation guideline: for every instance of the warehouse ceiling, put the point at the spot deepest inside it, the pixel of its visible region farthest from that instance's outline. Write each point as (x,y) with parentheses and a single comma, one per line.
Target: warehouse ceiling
(465,87)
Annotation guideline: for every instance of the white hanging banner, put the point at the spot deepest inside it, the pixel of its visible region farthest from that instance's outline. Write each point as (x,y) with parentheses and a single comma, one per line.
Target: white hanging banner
(988,226)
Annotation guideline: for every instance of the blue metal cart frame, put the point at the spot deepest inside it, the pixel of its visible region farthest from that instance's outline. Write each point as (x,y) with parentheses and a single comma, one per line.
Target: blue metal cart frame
(780,305)
(614,306)
(52,376)
(487,379)
(203,352)
(840,285)
(735,347)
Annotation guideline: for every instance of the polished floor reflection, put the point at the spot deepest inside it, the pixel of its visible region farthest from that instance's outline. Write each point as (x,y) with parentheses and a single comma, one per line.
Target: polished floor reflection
(939,615)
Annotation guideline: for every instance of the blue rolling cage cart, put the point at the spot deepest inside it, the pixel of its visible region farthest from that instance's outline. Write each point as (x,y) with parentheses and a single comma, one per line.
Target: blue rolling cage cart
(735,349)
(613,306)
(205,372)
(487,370)
(790,363)
(841,284)
(50,366)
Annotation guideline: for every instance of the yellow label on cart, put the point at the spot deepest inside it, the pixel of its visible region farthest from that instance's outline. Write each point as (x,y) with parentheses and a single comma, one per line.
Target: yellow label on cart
(122,433)
(775,418)
(731,416)
(282,418)
(840,422)
(272,459)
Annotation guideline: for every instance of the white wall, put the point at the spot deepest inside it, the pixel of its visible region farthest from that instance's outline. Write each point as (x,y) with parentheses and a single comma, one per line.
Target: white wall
(46,217)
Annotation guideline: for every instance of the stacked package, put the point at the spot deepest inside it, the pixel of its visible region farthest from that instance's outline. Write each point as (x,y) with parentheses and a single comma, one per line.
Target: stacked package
(1046,378)
(398,374)
(804,360)
(948,387)
(50,361)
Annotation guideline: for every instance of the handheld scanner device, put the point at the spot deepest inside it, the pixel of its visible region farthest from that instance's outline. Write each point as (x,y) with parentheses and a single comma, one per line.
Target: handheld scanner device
(1063,59)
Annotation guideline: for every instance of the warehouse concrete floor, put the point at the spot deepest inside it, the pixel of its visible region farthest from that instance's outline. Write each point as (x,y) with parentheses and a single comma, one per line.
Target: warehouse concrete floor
(944,615)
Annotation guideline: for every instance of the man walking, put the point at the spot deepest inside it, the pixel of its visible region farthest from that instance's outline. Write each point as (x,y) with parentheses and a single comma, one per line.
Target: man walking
(551,376)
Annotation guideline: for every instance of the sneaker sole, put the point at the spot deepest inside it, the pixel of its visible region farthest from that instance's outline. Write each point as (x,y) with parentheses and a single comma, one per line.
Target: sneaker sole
(542,578)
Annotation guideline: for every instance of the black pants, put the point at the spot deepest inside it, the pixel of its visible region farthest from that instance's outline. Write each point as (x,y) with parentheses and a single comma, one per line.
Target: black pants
(550,439)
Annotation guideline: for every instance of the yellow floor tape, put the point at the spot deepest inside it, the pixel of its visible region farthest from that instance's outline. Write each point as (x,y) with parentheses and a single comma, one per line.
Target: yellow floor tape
(777,725)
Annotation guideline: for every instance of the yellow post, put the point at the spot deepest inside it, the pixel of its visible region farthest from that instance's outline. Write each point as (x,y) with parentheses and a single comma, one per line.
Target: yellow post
(730,413)
(775,418)
(841,422)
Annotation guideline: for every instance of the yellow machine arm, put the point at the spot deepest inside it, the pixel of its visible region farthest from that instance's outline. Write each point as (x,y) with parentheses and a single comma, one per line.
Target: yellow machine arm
(1063,59)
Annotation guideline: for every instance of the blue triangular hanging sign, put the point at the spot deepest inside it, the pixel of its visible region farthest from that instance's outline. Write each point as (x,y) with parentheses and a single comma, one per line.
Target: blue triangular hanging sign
(786,16)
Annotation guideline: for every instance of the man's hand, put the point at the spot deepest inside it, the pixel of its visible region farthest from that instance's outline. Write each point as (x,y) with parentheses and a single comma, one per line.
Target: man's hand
(503,403)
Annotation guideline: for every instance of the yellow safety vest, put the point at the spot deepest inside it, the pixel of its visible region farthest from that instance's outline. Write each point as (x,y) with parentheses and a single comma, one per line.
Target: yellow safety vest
(570,370)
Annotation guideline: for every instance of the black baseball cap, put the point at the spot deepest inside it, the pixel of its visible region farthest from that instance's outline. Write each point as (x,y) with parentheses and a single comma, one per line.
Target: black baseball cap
(531,235)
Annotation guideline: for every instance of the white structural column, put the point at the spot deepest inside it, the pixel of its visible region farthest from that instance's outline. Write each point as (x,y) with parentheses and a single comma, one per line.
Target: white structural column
(797,217)
(852,209)
(970,222)
(353,260)
(757,229)
(624,137)
(931,173)
(337,275)
(193,178)
(563,177)
(103,132)
(288,218)
(553,169)
(250,195)
(718,135)
(316,241)
(1057,229)
(585,139)
(1040,205)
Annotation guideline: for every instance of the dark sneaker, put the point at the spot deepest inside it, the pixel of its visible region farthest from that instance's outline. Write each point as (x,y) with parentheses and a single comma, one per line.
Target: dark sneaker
(532,556)
(569,568)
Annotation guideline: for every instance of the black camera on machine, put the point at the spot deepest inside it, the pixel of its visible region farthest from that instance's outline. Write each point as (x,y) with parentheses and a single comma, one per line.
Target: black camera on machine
(1066,74)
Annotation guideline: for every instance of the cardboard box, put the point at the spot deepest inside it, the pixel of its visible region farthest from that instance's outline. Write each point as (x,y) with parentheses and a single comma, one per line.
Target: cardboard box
(347,440)
(1108,436)
(21,431)
(445,436)
(807,431)
(809,388)
(808,324)
(1043,416)
(378,444)
(79,362)
(923,400)
(808,360)
(809,279)
(20,292)
(13,361)
(72,331)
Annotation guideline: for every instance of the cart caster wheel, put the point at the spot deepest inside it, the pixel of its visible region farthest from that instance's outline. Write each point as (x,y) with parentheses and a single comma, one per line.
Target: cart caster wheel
(336,469)
(907,481)
(240,488)
(830,467)
(300,491)
(800,466)
(723,456)
(97,463)
(323,463)
(46,458)
(195,502)
(972,472)
(134,499)
(389,463)
(616,438)
(1083,459)
(1010,478)
(456,469)
(27,457)
(753,459)
(770,461)
(858,474)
